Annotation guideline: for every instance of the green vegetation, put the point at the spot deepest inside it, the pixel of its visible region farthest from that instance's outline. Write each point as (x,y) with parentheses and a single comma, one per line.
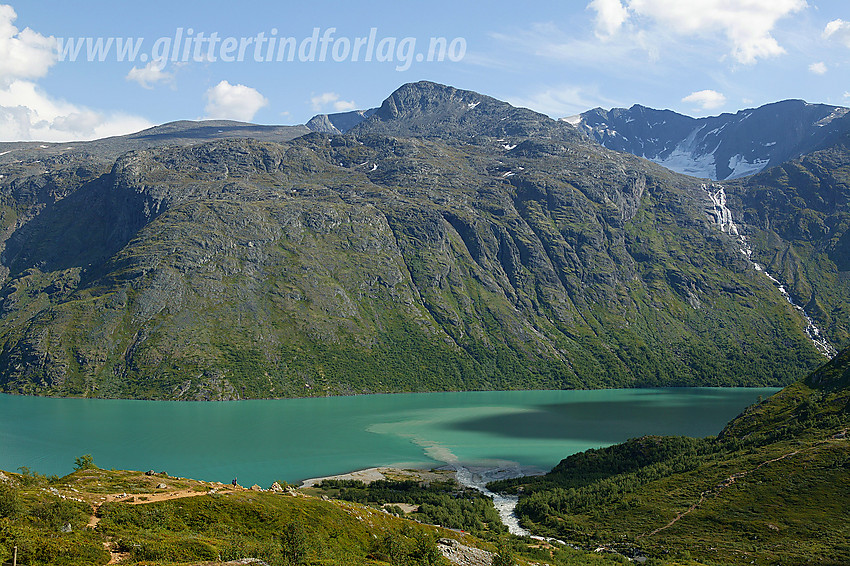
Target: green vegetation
(10,503)
(46,528)
(504,556)
(800,214)
(443,503)
(770,488)
(46,519)
(280,529)
(84,462)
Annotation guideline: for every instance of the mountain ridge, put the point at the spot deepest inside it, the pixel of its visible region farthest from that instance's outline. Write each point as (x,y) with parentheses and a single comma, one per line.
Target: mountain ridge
(434,246)
(721,147)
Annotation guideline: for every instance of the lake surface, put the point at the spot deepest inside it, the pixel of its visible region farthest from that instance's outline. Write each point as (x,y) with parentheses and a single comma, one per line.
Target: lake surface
(294,439)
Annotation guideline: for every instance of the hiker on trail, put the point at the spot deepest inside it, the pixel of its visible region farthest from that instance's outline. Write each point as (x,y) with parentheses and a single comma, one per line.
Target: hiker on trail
(234,482)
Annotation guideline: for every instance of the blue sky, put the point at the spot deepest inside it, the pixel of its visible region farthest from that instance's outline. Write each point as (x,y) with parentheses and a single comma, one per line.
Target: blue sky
(697,57)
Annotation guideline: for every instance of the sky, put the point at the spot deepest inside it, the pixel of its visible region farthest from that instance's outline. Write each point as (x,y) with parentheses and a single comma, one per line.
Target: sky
(90,69)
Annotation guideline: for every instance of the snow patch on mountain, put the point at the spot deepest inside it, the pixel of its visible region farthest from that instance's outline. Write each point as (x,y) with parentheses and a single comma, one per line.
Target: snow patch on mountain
(837,113)
(741,167)
(685,158)
(727,146)
(681,161)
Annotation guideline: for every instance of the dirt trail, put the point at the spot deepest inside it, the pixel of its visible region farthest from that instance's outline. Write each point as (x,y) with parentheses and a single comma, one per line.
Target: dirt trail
(731,480)
(140,499)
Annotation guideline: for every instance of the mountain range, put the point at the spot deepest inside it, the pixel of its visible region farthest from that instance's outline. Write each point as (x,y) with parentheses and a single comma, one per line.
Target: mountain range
(443,241)
(728,146)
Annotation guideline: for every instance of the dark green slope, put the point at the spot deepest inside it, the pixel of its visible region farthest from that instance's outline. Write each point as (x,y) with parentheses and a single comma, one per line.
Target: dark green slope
(494,250)
(771,488)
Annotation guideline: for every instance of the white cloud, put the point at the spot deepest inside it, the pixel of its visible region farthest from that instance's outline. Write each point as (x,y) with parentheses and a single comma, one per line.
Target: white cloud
(747,26)
(320,101)
(23,54)
(706,99)
(818,68)
(610,16)
(29,113)
(565,100)
(233,102)
(839,29)
(150,74)
(345,105)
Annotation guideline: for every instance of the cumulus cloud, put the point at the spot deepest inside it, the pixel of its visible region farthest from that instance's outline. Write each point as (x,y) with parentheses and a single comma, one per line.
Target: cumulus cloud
(747,26)
(321,101)
(27,112)
(345,105)
(706,99)
(150,74)
(818,68)
(839,30)
(23,54)
(233,102)
(610,16)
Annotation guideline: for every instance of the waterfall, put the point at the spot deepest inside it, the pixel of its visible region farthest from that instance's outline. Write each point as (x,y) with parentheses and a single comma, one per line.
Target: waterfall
(722,217)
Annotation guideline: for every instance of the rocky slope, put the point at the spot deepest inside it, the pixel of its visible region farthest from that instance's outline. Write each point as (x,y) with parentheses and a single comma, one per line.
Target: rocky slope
(338,123)
(449,241)
(718,147)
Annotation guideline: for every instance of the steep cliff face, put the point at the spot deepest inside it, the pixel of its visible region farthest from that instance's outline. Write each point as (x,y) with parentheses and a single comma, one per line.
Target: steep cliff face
(450,241)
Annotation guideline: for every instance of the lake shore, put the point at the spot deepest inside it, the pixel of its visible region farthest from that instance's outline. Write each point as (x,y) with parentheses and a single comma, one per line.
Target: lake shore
(369,475)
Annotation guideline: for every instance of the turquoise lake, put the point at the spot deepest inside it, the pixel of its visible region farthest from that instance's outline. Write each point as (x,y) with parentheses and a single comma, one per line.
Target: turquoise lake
(294,439)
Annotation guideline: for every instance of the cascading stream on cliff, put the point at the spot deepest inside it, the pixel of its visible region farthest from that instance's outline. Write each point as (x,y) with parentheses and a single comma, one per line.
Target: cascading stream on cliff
(722,217)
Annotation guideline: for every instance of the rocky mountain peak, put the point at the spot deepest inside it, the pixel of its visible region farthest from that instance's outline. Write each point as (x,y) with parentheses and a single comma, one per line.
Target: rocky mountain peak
(428,109)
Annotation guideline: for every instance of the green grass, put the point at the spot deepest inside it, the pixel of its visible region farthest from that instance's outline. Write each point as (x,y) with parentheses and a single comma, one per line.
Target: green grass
(278,528)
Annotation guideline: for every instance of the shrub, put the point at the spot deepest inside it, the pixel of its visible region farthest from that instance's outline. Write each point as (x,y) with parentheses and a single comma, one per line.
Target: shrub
(504,555)
(10,502)
(84,462)
(294,541)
